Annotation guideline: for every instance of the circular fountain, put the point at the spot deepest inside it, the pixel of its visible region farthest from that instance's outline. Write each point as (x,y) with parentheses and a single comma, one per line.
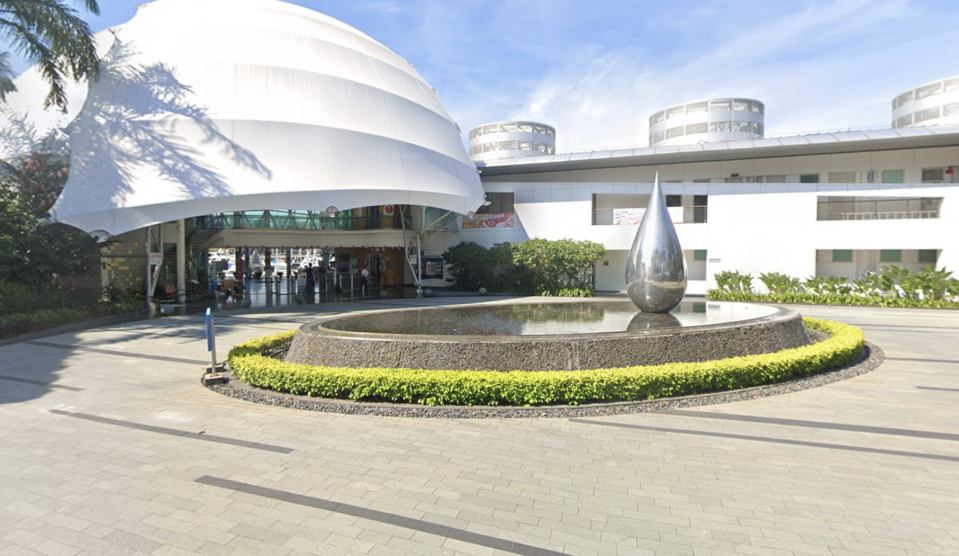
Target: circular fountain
(556,335)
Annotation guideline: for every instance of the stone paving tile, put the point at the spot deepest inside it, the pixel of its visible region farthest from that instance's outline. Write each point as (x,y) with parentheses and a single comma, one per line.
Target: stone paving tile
(75,487)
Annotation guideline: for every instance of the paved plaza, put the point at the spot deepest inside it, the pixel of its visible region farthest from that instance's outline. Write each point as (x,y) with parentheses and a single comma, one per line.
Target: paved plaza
(110,446)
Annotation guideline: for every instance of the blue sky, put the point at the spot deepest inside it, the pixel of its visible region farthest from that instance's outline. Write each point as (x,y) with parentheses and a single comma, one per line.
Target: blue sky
(596,70)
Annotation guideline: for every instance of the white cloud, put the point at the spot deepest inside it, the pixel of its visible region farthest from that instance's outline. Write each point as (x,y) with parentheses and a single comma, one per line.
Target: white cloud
(829,66)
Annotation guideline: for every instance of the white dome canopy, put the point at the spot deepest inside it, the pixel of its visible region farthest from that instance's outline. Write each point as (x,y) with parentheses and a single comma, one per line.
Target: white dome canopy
(230,105)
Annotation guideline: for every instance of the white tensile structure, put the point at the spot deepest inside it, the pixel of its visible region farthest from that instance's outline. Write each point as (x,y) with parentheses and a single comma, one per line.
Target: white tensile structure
(231,105)
(708,121)
(935,103)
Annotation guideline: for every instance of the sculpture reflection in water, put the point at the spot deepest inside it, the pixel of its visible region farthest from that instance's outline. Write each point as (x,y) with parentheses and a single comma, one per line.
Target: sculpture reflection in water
(656,268)
(652,321)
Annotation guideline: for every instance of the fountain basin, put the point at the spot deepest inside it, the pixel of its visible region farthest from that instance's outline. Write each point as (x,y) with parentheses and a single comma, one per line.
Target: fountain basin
(553,335)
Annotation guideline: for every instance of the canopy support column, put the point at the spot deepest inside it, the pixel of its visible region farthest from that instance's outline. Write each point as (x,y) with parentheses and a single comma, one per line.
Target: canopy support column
(181,261)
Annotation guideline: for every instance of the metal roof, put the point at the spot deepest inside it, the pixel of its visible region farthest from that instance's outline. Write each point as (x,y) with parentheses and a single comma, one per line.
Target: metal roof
(799,145)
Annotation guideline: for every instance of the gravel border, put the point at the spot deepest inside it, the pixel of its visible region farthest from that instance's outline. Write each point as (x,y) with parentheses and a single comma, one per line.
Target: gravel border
(870,359)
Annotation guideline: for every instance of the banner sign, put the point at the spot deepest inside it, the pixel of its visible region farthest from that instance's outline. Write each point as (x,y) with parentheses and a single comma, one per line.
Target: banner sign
(499,220)
(633,216)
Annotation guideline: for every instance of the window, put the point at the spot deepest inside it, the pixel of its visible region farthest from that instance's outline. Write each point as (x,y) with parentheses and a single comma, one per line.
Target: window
(498,204)
(842,255)
(928,90)
(809,178)
(674,132)
(695,128)
(904,121)
(950,109)
(927,114)
(776,179)
(842,177)
(696,107)
(933,175)
(890,256)
(893,176)
(676,112)
(699,255)
(929,256)
(674,200)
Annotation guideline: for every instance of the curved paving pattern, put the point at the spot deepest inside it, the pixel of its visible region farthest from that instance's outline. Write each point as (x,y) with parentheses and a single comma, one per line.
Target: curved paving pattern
(109,445)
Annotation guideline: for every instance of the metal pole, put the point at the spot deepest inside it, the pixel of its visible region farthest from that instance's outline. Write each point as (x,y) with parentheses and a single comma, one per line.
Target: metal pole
(149,277)
(419,272)
(181,261)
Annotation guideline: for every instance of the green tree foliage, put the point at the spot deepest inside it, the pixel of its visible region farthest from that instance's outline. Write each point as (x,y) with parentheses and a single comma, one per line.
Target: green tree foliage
(52,35)
(563,267)
(32,251)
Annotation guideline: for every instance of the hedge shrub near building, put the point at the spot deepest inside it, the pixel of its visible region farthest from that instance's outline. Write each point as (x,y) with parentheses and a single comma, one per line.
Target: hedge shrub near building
(522,388)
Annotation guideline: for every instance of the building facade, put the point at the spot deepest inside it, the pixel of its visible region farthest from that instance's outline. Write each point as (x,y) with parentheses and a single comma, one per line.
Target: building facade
(708,121)
(819,205)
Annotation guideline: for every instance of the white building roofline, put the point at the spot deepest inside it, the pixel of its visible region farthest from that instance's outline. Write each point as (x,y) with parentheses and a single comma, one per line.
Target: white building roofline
(800,145)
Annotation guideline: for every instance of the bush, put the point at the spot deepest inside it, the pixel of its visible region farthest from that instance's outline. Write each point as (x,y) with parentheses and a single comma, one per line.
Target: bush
(731,281)
(890,286)
(872,300)
(538,267)
(779,283)
(21,323)
(524,388)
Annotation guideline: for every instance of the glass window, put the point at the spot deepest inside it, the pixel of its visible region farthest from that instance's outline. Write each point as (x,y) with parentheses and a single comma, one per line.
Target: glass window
(758,107)
(699,255)
(741,105)
(525,127)
(842,177)
(950,84)
(904,121)
(890,255)
(927,114)
(904,98)
(720,127)
(722,105)
(695,128)
(507,127)
(809,178)
(674,132)
(674,200)
(676,112)
(928,90)
(928,256)
(697,107)
(950,109)
(933,175)
(498,204)
(893,176)
(659,137)
(842,255)
(525,145)
(742,127)
(779,178)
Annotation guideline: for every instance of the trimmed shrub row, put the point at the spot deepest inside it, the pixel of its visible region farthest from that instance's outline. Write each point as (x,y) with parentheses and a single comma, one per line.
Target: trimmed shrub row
(528,388)
(22,323)
(832,299)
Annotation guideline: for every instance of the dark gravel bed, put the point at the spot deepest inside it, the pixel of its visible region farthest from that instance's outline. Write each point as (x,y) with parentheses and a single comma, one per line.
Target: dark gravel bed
(871,359)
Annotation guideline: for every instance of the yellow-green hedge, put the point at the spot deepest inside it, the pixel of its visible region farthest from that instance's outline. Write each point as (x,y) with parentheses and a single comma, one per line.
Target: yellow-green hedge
(433,387)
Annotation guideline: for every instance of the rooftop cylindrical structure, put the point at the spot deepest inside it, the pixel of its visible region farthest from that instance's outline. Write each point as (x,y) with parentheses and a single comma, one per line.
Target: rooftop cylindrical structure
(935,103)
(708,121)
(513,139)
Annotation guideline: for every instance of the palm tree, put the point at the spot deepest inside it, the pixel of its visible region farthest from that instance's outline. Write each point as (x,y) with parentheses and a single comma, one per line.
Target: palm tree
(52,35)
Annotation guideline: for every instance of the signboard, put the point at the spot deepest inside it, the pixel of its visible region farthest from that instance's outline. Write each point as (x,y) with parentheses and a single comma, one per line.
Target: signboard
(498,220)
(633,216)
(156,258)
(432,267)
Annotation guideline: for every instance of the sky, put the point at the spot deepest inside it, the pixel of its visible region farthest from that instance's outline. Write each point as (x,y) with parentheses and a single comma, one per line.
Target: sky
(597,70)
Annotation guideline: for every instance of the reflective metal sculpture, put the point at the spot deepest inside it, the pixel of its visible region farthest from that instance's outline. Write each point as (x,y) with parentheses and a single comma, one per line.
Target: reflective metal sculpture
(656,269)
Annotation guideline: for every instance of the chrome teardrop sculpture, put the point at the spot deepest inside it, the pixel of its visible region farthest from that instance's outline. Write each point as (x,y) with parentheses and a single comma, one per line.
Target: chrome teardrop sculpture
(656,269)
